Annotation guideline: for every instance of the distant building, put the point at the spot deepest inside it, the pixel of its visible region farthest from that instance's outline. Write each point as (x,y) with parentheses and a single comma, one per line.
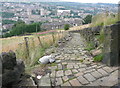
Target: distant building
(44,12)
(63,12)
(29,12)
(60,25)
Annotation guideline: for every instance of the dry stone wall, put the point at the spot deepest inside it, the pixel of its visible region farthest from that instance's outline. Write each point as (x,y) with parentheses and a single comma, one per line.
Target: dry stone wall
(111,43)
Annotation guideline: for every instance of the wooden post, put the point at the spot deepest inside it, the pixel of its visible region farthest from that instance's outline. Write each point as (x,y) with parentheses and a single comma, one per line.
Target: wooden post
(27,49)
(33,43)
(53,37)
(40,41)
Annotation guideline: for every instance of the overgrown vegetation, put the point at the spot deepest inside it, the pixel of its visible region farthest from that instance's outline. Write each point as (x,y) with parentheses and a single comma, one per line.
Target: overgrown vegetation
(101,37)
(36,48)
(98,58)
(90,46)
(104,19)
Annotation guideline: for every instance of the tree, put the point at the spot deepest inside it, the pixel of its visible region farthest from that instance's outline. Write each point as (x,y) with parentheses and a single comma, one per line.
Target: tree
(19,22)
(66,27)
(87,19)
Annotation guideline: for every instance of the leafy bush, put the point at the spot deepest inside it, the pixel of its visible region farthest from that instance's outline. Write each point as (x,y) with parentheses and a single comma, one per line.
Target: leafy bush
(87,19)
(98,58)
(66,27)
(6,35)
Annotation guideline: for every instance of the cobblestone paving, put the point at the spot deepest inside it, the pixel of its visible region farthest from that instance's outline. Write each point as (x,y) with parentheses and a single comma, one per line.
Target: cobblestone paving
(75,67)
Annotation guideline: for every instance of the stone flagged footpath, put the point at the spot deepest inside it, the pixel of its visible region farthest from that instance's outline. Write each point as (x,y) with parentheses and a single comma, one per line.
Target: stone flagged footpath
(84,75)
(75,67)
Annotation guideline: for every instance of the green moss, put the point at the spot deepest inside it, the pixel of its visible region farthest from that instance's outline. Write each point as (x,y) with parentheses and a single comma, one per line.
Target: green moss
(53,64)
(81,60)
(98,58)
(71,78)
(74,72)
(57,69)
(90,46)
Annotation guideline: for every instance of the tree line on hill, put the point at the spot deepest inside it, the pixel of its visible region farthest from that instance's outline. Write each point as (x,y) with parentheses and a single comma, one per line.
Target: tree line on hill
(20,28)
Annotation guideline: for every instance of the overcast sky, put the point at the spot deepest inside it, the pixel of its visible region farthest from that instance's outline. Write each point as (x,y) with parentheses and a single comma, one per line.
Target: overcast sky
(94,1)
(82,1)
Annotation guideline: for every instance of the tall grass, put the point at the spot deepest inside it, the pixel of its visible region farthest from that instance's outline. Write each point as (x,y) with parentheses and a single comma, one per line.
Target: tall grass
(104,19)
(18,45)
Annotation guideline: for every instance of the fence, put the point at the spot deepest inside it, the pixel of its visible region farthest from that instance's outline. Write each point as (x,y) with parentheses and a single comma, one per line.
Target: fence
(34,47)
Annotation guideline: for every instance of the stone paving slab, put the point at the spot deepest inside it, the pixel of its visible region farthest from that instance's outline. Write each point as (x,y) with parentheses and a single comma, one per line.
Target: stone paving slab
(96,74)
(74,70)
(65,78)
(75,82)
(107,69)
(103,72)
(59,81)
(81,69)
(82,80)
(89,77)
(59,73)
(68,72)
(44,81)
